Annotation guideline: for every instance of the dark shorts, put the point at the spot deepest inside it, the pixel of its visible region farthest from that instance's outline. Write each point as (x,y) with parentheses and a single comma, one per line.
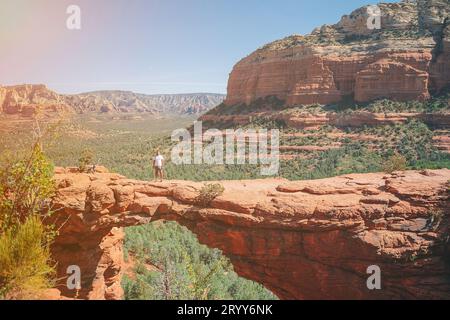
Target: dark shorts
(158,169)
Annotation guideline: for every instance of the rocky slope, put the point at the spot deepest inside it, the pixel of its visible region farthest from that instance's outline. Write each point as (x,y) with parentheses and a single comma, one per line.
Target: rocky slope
(302,240)
(407,59)
(29,100)
(313,121)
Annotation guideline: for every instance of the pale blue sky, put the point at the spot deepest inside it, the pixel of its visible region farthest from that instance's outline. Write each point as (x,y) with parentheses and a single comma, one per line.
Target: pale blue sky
(148,46)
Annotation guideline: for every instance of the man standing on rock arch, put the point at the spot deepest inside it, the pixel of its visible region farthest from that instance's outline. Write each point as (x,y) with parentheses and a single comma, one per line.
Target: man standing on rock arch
(158,166)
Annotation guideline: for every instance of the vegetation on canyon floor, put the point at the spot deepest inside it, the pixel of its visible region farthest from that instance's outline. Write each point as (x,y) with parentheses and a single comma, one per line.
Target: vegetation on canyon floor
(183,269)
(129,152)
(171,264)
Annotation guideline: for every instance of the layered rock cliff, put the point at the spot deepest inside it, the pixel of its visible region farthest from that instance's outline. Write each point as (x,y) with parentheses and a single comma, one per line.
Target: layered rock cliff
(302,240)
(406,59)
(29,100)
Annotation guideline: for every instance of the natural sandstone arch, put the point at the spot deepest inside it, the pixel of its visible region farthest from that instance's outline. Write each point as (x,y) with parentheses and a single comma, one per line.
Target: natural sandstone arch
(302,240)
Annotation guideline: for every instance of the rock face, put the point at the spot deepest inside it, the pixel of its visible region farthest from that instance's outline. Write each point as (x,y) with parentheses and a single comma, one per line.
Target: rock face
(432,13)
(406,59)
(404,82)
(302,240)
(440,69)
(28,100)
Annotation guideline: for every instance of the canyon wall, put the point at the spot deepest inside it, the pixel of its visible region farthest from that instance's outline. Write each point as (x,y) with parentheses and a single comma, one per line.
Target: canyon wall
(302,240)
(404,60)
(440,68)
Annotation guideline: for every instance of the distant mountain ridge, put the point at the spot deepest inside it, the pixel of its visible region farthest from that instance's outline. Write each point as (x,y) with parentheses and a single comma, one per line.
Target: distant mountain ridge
(126,101)
(28,99)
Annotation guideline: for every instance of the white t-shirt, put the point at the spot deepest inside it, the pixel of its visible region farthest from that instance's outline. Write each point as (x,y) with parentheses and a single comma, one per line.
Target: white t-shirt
(158,161)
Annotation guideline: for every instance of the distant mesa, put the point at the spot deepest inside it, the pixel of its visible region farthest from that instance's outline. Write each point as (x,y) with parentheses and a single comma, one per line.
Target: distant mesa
(29,100)
(407,59)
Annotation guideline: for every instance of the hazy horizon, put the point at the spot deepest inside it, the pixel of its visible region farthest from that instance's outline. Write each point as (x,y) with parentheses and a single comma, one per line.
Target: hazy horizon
(148,47)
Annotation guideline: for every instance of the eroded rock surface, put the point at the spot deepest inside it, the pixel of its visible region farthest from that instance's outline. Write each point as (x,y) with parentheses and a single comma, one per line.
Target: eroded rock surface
(302,240)
(30,100)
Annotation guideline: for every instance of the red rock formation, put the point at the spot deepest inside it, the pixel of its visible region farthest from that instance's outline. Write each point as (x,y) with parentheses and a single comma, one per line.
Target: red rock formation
(314,84)
(302,240)
(392,80)
(349,59)
(29,100)
(440,69)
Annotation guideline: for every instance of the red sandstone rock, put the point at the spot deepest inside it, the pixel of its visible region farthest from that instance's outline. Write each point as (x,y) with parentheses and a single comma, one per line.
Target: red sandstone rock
(440,69)
(316,85)
(392,80)
(301,239)
(29,100)
(327,64)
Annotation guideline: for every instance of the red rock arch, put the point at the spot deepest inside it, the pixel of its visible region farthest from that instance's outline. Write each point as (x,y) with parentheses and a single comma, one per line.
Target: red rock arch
(302,240)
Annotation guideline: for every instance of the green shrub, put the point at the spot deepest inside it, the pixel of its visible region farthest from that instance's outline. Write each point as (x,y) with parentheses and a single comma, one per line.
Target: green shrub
(86,158)
(208,193)
(25,262)
(26,184)
(396,162)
